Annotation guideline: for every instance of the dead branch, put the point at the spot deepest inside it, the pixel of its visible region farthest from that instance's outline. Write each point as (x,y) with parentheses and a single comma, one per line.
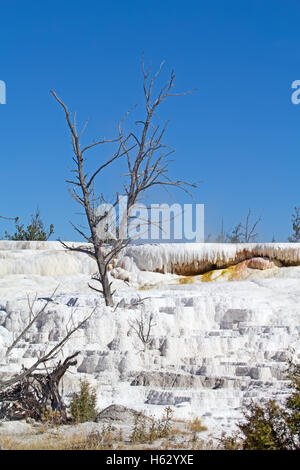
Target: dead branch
(147,162)
(8,218)
(32,319)
(36,393)
(30,393)
(52,354)
(135,303)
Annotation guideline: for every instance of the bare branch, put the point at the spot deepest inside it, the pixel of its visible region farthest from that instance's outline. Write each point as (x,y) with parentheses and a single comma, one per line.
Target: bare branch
(46,357)
(33,318)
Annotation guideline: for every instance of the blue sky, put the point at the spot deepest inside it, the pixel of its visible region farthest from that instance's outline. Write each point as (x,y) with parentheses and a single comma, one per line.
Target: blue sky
(239,133)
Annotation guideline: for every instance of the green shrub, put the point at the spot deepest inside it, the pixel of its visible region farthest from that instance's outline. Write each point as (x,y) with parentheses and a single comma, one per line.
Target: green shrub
(83,404)
(296,226)
(35,230)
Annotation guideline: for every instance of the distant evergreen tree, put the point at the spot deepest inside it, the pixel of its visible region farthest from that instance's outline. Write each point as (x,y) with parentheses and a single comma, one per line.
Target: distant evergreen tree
(296,226)
(35,230)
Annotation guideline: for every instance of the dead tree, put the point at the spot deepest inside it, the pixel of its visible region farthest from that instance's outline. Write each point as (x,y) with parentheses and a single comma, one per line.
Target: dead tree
(146,157)
(36,389)
(249,230)
(244,233)
(142,327)
(82,190)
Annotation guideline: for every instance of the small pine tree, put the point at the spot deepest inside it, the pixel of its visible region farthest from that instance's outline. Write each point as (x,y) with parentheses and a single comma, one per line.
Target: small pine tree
(83,404)
(166,422)
(35,230)
(272,427)
(296,226)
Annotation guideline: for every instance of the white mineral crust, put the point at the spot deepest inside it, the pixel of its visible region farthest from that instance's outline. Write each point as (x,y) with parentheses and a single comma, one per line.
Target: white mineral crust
(215,345)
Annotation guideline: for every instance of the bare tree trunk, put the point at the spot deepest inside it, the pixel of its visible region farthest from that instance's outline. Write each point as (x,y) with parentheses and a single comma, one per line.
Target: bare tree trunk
(102,268)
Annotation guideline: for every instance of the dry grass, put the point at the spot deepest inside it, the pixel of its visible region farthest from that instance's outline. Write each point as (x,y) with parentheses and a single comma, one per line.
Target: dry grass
(196,426)
(93,441)
(163,434)
(177,420)
(77,442)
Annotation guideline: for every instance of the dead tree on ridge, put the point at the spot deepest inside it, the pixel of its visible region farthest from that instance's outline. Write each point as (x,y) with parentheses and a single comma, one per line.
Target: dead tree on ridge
(244,233)
(146,158)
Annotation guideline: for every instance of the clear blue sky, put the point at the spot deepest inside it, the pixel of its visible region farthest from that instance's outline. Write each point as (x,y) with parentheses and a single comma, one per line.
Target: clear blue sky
(239,134)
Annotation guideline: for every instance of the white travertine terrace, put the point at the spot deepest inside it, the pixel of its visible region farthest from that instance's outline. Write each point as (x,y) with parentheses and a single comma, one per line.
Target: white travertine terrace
(50,258)
(196,258)
(42,258)
(215,346)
